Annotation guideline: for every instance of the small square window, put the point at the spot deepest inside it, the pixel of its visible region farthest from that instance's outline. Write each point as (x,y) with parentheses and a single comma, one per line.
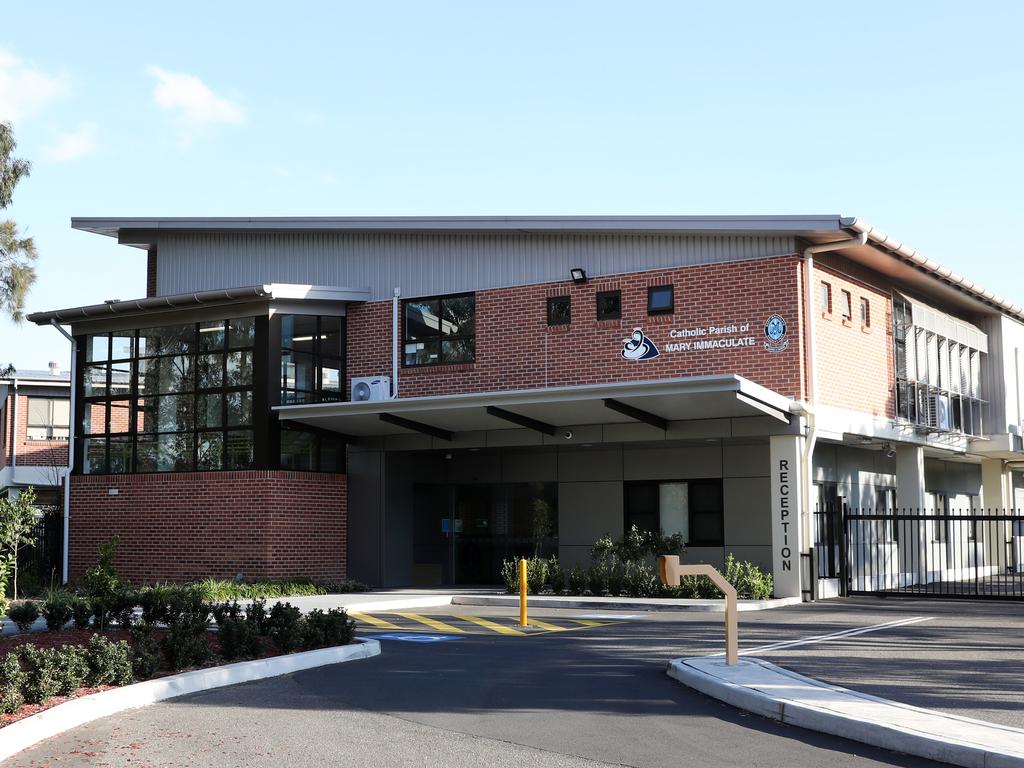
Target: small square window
(865,312)
(559,310)
(660,300)
(609,305)
(826,298)
(847,306)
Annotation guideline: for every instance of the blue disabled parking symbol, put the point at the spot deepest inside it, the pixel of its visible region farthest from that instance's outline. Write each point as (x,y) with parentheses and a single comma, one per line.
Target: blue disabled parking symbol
(413,637)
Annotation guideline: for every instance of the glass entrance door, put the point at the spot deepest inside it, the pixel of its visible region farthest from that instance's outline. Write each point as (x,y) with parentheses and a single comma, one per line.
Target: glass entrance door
(463,532)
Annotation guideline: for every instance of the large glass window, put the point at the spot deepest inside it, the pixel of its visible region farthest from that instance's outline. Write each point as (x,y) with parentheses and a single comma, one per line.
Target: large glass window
(172,398)
(440,330)
(49,418)
(311,359)
(693,508)
(311,451)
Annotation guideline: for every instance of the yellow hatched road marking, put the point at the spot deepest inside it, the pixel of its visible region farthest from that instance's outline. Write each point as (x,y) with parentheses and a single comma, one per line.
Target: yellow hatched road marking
(545,625)
(373,620)
(440,626)
(491,625)
(588,623)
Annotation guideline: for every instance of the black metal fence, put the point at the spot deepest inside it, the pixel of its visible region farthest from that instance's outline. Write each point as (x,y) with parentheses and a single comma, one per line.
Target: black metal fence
(40,563)
(959,553)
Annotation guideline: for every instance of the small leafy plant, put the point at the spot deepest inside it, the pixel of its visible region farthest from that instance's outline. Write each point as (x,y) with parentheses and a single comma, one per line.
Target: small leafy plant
(24,614)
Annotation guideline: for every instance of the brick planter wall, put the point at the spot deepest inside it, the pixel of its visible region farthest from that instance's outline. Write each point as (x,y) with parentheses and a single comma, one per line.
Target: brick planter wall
(179,526)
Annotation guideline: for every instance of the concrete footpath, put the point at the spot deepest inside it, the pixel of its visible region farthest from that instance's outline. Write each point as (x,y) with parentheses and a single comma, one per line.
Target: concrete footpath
(770,691)
(407,599)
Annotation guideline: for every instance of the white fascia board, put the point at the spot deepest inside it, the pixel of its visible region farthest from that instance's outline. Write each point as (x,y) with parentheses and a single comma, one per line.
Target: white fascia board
(292,291)
(835,423)
(694,385)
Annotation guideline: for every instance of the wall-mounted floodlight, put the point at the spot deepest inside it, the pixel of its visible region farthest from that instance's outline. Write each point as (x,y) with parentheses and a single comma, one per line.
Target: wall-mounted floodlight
(578,275)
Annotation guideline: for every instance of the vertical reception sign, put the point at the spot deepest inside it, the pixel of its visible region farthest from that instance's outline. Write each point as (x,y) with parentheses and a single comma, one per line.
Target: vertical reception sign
(785,479)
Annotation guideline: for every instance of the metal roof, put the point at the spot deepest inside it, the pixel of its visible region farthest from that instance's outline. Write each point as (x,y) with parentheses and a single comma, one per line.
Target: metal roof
(181,300)
(142,231)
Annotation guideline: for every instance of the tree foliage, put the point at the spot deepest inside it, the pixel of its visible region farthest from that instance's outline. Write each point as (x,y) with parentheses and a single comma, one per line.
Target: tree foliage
(17,519)
(17,253)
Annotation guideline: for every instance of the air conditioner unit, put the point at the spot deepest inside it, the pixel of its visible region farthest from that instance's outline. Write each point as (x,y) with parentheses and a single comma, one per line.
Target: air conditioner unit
(940,409)
(371,388)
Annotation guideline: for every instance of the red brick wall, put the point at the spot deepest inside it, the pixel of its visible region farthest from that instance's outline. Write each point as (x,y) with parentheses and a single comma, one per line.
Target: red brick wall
(151,272)
(855,363)
(516,349)
(30,453)
(178,526)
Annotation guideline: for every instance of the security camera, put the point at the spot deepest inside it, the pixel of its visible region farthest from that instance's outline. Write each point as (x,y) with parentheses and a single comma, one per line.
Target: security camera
(568,434)
(890,451)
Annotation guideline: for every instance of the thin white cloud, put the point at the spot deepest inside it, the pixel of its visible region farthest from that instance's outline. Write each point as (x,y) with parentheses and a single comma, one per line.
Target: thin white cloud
(25,91)
(192,99)
(71,146)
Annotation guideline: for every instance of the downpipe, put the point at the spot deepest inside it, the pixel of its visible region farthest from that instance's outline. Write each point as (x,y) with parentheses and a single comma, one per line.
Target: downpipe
(66,538)
(806,408)
(394,342)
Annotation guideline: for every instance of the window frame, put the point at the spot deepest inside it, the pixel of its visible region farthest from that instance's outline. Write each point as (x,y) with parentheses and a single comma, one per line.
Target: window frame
(847,307)
(617,314)
(440,337)
(825,297)
(51,424)
(671,309)
(865,312)
(690,483)
(136,400)
(318,357)
(551,301)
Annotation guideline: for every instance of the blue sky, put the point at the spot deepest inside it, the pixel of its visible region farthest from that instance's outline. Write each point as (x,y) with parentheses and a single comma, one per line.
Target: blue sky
(908,115)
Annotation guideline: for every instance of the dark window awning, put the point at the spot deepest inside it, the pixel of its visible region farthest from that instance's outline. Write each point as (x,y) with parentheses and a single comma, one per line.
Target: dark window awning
(656,404)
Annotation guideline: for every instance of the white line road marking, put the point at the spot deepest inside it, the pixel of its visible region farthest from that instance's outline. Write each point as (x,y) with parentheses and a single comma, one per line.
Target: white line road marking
(624,616)
(836,635)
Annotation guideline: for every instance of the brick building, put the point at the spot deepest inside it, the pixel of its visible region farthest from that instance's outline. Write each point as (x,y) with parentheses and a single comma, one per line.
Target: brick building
(35,420)
(411,400)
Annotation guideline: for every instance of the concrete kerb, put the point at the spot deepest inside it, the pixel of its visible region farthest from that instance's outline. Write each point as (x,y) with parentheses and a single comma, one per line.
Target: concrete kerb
(623,603)
(765,689)
(71,714)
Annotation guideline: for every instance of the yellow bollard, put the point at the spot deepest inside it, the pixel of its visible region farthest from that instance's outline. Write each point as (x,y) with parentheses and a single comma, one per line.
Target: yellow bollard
(522,593)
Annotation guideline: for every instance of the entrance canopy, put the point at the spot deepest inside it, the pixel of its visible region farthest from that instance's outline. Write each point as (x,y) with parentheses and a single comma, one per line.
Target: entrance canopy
(549,410)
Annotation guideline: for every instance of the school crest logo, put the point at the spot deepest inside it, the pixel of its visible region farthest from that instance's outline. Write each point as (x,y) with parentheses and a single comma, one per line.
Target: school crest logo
(775,330)
(639,347)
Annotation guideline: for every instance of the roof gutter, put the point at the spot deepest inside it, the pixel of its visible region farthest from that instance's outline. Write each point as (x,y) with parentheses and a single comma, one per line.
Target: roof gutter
(108,309)
(918,260)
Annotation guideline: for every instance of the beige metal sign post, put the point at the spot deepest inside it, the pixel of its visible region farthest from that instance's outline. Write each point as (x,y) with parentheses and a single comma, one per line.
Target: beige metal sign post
(671,572)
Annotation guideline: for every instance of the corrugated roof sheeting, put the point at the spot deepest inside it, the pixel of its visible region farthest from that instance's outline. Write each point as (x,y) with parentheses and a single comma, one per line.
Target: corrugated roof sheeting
(425,264)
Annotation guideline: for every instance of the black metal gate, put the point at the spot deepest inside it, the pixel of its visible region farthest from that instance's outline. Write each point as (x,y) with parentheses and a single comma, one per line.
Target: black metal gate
(970,554)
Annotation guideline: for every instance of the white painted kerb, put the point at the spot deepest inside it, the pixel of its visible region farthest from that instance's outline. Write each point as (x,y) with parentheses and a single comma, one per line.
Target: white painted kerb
(765,689)
(71,714)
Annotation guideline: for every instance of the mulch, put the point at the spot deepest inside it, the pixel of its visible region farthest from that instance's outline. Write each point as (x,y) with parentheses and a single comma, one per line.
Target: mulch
(82,637)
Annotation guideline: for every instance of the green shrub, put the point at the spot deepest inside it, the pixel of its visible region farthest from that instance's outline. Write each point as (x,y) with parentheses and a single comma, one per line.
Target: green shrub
(510,575)
(101,580)
(12,682)
(256,615)
(144,651)
(556,576)
(120,607)
(185,603)
(239,639)
(57,610)
(153,602)
(5,604)
(224,611)
(73,669)
(42,668)
(109,662)
(536,575)
(639,579)
(81,612)
(286,627)
(577,580)
(24,614)
(750,581)
(224,590)
(323,630)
